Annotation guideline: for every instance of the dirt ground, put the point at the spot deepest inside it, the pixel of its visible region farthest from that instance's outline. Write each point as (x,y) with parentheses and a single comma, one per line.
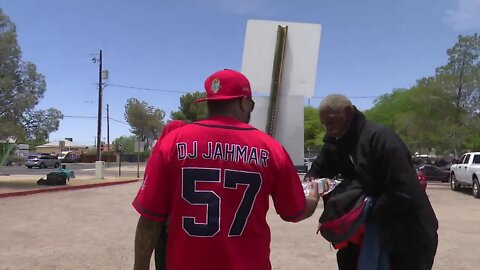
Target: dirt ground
(94,229)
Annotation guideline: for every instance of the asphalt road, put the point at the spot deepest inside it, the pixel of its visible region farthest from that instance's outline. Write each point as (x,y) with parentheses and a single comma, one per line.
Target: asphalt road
(80,169)
(95,228)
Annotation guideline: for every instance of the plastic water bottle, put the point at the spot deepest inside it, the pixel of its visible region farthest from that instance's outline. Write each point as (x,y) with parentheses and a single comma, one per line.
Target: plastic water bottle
(325,186)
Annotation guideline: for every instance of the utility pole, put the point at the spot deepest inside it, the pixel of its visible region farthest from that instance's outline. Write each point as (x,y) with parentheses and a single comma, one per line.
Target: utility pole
(99,125)
(108,129)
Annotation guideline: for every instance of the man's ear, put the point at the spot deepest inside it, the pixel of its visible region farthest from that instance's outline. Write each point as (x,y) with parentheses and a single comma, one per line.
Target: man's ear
(244,104)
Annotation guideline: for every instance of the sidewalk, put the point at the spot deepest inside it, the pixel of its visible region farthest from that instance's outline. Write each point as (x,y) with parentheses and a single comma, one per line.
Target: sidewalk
(18,185)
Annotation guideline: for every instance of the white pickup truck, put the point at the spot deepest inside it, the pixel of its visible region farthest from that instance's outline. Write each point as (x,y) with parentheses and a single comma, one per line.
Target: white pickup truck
(466,173)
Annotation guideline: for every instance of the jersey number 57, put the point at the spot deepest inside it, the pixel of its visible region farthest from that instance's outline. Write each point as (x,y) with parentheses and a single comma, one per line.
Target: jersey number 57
(232,179)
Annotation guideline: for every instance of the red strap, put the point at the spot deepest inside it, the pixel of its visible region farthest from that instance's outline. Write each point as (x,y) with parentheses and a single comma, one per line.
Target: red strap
(355,239)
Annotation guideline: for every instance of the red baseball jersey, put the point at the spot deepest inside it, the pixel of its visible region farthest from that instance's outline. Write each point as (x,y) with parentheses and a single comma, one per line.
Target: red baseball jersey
(212,179)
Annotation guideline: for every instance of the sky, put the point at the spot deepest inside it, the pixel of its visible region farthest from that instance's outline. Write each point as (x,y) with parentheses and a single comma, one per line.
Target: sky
(367,49)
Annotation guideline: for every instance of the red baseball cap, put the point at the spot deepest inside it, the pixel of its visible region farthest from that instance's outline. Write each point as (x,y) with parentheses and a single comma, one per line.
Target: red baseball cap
(226,84)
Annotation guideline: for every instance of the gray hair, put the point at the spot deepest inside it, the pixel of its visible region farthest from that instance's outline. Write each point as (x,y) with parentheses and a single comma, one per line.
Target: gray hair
(335,102)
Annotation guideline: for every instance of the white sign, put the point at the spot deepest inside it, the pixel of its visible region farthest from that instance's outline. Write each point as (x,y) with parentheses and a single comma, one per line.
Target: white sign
(288,123)
(298,77)
(139,147)
(300,60)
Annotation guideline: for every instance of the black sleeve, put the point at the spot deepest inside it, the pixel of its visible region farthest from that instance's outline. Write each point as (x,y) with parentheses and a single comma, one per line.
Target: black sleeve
(401,188)
(322,166)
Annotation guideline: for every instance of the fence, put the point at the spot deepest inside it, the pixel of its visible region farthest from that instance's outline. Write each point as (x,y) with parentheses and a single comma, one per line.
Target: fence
(111,157)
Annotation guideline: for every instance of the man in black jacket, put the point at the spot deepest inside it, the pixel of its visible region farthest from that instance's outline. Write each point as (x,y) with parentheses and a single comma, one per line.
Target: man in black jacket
(378,158)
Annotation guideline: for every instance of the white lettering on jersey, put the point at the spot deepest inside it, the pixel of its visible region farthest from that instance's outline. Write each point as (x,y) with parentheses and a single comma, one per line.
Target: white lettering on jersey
(225,152)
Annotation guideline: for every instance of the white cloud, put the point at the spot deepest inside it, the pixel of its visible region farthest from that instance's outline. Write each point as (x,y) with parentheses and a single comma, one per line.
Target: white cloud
(465,16)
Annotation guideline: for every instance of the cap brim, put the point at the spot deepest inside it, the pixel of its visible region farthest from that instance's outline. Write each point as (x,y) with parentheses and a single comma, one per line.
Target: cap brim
(218,98)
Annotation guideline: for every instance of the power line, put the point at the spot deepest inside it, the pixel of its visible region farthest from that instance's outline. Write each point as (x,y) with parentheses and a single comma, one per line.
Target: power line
(78,116)
(92,117)
(186,92)
(119,121)
(149,89)
(354,97)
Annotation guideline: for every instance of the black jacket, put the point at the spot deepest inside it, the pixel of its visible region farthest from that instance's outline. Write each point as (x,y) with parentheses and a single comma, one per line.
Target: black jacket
(381,162)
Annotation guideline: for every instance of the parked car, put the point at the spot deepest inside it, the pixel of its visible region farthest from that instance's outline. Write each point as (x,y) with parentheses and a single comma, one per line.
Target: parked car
(42,161)
(68,157)
(422,179)
(8,163)
(434,173)
(446,167)
(465,173)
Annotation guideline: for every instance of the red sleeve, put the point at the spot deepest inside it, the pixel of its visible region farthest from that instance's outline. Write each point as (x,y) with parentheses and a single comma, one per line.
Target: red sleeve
(152,198)
(288,196)
(171,126)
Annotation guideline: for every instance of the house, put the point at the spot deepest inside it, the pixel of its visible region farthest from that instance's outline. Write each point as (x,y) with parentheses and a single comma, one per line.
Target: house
(54,147)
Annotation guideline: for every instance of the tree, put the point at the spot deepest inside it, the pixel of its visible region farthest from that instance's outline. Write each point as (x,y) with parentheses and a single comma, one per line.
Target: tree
(127,142)
(429,122)
(387,107)
(21,86)
(39,124)
(146,122)
(425,116)
(9,128)
(461,75)
(314,132)
(188,110)
(473,143)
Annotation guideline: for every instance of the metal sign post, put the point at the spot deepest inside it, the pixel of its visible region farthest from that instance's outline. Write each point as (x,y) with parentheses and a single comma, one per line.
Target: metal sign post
(119,159)
(61,145)
(276,78)
(119,150)
(138,165)
(139,147)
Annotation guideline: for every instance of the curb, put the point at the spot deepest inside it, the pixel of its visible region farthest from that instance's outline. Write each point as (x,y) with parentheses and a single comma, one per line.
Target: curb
(65,188)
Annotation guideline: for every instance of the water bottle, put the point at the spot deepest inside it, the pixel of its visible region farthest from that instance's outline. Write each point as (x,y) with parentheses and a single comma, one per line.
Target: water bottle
(325,186)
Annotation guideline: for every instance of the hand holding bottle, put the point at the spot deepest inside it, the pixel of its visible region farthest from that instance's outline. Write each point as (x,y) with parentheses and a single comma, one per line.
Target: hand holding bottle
(325,185)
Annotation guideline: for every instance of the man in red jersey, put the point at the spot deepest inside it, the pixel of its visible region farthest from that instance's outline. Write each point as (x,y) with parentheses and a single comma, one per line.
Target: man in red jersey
(212,179)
